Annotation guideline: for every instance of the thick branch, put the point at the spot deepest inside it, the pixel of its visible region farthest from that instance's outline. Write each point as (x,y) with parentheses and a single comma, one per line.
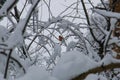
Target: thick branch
(29,15)
(97,70)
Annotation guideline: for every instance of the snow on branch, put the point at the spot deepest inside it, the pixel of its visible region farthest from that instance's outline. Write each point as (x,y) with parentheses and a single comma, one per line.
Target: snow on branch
(107,13)
(76,66)
(7,6)
(97,69)
(13,40)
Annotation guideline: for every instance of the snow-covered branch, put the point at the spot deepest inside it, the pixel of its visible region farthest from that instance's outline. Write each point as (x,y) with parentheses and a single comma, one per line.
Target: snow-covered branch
(74,64)
(107,13)
(97,70)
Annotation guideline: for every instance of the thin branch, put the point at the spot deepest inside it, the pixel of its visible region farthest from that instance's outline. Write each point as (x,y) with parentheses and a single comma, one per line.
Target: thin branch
(23,7)
(29,15)
(12,58)
(113,22)
(67,8)
(31,42)
(88,21)
(91,3)
(50,13)
(7,64)
(103,4)
(85,10)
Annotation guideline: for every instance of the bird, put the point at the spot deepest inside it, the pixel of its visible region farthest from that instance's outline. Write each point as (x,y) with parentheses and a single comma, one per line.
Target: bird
(60,38)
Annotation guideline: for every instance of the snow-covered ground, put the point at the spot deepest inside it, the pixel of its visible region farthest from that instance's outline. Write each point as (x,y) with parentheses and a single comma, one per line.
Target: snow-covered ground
(70,65)
(37,73)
